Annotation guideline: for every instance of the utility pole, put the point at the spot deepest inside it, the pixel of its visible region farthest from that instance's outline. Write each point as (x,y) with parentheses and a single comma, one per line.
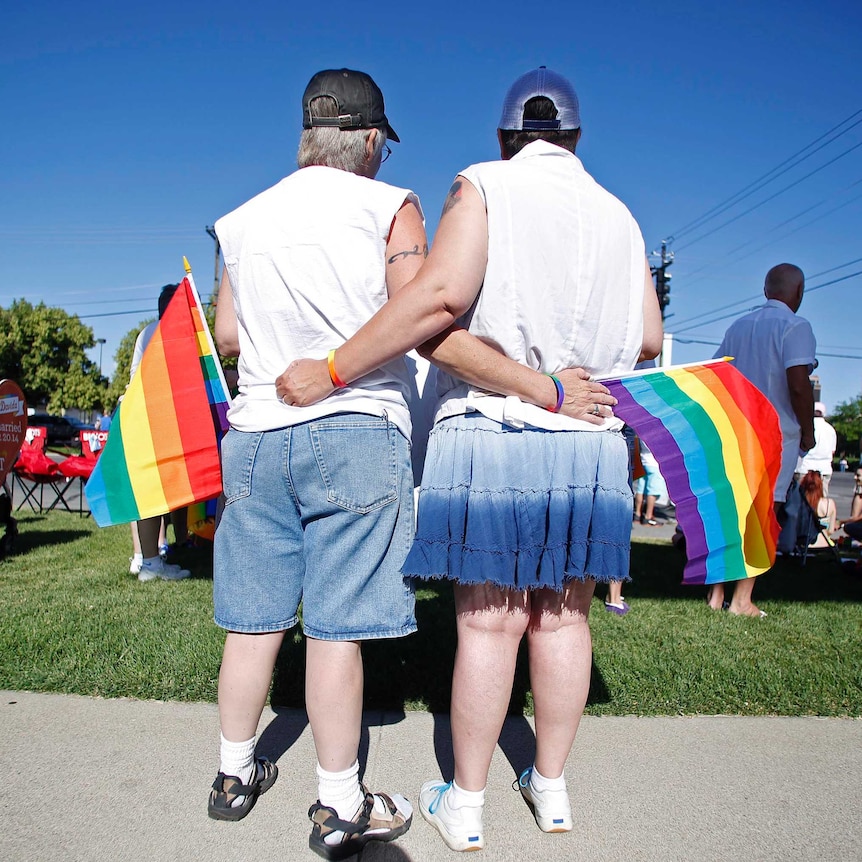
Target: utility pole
(662,276)
(214,236)
(662,289)
(101,342)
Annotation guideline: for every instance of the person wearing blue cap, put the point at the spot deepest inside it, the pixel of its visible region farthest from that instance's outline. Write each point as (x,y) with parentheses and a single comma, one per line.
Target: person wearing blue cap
(524,507)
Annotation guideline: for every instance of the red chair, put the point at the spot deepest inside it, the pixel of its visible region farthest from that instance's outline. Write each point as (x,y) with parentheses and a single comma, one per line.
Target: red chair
(34,471)
(81,466)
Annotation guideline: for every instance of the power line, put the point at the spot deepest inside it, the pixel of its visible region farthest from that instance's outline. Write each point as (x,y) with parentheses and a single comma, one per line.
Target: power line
(706,266)
(771,197)
(714,343)
(768,177)
(759,295)
(149,311)
(738,311)
(834,281)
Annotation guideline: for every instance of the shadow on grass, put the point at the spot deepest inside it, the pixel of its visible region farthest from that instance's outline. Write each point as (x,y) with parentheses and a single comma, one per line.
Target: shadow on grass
(416,671)
(412,672)
(27,541)
(656,572)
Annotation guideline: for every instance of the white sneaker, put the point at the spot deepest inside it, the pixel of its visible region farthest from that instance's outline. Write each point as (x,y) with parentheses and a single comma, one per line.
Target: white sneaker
(460,828)
(163,570)
(135,564)
(551,808)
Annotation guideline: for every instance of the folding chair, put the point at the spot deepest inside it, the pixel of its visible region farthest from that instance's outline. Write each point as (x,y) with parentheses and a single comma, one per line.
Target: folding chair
(81,466)
(34,471)
(802,529)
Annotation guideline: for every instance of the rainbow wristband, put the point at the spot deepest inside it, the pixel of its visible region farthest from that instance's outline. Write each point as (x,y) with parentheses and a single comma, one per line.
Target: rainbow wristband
(561,394)
(337,382)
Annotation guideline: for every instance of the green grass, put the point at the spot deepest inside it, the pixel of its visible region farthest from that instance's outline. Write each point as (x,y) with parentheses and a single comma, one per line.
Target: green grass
(73,620)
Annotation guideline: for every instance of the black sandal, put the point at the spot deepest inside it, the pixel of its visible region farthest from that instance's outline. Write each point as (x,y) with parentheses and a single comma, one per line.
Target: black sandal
(226,788)
(369,825)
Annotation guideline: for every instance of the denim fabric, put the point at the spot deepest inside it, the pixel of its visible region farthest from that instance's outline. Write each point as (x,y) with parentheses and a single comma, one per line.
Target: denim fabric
(522,509)
(319,513)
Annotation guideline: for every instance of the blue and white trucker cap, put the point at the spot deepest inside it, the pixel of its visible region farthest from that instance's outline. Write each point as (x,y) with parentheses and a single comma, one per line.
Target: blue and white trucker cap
(541,82)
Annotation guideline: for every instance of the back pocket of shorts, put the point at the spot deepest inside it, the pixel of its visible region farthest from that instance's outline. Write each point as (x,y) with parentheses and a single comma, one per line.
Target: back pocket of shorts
(357,463)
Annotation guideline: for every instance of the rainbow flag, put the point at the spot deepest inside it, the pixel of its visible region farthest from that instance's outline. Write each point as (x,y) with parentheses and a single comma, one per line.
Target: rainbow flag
(162,451)
(717,440)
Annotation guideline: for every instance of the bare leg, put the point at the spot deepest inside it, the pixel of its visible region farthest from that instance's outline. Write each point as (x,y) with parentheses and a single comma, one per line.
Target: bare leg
(136,541)
(491,623)
(333,699)
(560,665)
(244,681)
(649,511)
(741,603)
(639,502)
(715,596)
(615,597)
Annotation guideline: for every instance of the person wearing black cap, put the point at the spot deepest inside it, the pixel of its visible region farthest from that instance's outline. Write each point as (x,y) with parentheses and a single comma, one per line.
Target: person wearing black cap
(523,508)
(319,500)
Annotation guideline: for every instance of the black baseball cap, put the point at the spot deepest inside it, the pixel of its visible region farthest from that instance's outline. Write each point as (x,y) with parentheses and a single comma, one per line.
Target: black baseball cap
(359,101)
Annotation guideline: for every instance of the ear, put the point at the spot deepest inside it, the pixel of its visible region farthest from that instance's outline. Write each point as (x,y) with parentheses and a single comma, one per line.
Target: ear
(578,138)
(369,143)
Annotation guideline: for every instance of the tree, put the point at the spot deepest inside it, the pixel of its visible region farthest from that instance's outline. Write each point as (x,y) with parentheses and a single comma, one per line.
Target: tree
(847,422)
(43,350)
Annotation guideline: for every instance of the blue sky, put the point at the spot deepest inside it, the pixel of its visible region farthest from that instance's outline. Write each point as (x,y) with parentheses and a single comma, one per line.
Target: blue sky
(129,128)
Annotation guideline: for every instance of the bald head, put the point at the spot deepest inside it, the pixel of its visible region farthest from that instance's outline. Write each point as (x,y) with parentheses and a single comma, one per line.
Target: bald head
(786,283)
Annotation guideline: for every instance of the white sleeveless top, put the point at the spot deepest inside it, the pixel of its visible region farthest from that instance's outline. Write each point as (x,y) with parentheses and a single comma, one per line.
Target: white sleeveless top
(306,262)
(564,284)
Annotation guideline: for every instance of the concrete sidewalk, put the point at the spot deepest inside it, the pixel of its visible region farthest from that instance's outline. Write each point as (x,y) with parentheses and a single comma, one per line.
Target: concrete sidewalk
(88,779)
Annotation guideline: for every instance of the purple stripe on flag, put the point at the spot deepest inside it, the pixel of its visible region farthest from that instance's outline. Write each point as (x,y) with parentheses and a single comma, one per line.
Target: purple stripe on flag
(672,461)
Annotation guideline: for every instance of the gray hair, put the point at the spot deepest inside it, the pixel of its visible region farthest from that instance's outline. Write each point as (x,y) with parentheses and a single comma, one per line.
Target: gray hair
(336,148)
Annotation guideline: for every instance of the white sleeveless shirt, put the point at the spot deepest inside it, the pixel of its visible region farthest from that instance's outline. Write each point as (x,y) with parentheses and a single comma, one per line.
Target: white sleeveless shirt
(564,284)
(306,262)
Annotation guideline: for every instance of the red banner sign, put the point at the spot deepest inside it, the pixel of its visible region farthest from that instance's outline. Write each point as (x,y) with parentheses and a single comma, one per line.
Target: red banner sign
(13,424)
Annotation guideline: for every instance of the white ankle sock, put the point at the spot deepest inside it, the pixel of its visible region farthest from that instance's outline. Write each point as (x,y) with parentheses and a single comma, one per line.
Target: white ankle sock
(540,783)
(340,790)
(457,797)
(237,758)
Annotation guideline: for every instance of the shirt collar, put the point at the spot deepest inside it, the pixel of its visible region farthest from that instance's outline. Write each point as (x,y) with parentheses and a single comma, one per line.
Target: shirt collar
(543,148)
(777,303)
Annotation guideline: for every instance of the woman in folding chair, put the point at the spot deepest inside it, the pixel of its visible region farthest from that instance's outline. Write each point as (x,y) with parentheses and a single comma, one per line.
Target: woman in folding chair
(825,512)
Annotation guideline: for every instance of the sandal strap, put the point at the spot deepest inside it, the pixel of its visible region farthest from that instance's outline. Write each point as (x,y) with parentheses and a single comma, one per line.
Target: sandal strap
(387,799)
(335,824)
(237,789)
(262,769)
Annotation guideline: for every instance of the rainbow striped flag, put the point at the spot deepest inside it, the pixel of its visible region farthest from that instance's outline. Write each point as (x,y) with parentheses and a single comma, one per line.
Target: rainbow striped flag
(162,451)
(717,440)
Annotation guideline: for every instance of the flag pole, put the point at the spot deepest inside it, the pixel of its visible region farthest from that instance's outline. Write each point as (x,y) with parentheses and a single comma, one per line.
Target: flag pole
(206,328)
(642,372)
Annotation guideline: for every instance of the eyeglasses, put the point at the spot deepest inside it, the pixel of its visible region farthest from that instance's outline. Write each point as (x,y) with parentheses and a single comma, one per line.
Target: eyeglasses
(385,153)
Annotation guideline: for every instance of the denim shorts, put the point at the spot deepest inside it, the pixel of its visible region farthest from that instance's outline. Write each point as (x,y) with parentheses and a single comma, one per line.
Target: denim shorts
(522,509)
(319,513)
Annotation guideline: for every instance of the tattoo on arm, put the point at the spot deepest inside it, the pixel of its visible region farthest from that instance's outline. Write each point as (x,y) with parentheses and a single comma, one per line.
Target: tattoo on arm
(406,254)
(453,197)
